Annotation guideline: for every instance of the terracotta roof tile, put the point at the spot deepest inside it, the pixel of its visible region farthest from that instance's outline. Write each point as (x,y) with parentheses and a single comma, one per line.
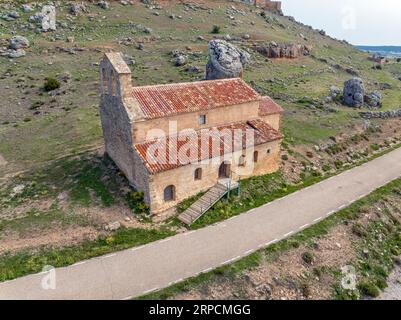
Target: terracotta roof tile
(215,147)
(170,99)
(268,106)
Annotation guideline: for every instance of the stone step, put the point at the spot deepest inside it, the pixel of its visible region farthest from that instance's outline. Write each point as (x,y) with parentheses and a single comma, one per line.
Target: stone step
(202,205)
(185,218)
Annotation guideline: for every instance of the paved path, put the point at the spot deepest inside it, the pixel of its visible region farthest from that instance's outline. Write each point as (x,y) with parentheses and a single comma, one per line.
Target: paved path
(144,269)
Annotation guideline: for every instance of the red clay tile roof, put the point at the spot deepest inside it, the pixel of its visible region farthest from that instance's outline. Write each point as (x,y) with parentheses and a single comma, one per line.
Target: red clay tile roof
(268,106)
(203,143)
(170,99)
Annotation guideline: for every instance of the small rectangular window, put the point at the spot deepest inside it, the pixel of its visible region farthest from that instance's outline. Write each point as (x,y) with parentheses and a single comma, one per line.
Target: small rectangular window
(202,119)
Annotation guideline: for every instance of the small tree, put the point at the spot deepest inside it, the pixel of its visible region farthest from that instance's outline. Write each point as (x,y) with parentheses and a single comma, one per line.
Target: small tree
(216,30)
(51,84)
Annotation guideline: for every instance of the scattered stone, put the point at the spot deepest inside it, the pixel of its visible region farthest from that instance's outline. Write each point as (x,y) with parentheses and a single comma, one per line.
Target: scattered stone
(374,99)
(309,154)
(71,39)
(129,59)
(62,196)
(385,86)
(104,5)
(18,189)
(14,14)
(193,69)
(113,226)
(27,8)
(335,91)
(36,18)
(77,8)
(18,42)
(225,60)
(14,54)
(354,92)
(147,30)
(180,60)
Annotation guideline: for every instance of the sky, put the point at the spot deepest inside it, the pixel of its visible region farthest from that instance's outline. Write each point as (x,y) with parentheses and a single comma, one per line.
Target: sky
(360,22)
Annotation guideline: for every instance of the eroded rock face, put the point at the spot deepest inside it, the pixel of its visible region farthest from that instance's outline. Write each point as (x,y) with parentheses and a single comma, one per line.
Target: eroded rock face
(354,92)
(225,60)
(290,51)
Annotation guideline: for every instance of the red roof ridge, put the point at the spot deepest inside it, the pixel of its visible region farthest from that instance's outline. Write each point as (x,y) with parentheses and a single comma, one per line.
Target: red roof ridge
(190,83)
(164,100)
(263,133)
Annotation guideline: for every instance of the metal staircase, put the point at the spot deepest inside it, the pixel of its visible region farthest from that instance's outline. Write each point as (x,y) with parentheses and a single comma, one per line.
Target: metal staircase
(207,201)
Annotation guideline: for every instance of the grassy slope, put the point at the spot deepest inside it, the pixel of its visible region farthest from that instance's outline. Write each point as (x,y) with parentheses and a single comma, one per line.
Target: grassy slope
(52,134)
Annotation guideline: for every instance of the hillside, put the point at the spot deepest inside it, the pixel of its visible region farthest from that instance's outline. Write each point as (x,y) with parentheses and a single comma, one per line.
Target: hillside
(36,127)
(57,190)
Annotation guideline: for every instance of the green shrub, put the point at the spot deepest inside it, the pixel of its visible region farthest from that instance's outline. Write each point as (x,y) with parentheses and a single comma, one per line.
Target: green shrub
(284,157)
(51,84)
(326,168)
(369,289)
(375,147)
(338,164)
(307,257)
(305,289)
(381,283)
(135,201)
(216,30)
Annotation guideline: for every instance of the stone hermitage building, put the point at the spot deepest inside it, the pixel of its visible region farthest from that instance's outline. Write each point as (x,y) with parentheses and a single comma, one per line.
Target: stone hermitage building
(136,121)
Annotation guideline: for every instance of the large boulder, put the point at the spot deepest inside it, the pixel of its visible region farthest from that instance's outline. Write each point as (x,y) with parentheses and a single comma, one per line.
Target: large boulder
(225,60)
(354,92)
(49,18)
(18,42)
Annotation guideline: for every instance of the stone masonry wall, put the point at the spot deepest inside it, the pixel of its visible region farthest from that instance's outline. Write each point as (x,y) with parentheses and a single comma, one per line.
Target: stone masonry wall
(186,186)
(116,123)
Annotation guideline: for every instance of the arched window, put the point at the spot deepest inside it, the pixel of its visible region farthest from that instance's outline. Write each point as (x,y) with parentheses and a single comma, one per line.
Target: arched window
(105,86)
(169,193)
(113,83)
(255,156)
(198,174)
(241,161)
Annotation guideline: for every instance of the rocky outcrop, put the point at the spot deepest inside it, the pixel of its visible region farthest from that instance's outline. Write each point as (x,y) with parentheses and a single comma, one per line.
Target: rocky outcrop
(225,60)
(290,51)
(354,93)
(381,114)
